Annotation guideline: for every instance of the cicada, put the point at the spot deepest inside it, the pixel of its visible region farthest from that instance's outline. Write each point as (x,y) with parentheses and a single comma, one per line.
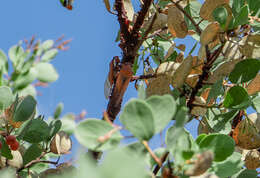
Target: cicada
(67,4)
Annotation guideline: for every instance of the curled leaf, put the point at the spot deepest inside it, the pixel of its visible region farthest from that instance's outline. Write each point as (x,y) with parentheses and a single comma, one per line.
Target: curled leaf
(210,33)
(61,143)
(176,23)
(209,6)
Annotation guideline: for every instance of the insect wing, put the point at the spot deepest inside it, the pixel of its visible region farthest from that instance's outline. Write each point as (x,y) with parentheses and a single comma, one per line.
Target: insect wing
(107,88)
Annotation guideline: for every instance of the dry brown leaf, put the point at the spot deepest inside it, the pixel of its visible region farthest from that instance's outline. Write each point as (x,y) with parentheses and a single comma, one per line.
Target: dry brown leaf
(204,127)
(170,51)
(196,70)
(158,86)
(129,9)
(16,162)
(210,33)
(251,48)
(159,23)
(180,57)
(167,68)
(176,23)
(182,72)
(192,80)
(181,47)
(9,115)
(209,6)
(108,7)
(61,143)
(246,135)
(202,53)
(223,70)
(255,118)
(231,48)
(252,160)
(254,85)
(197,110)
(205,175)
(201,164)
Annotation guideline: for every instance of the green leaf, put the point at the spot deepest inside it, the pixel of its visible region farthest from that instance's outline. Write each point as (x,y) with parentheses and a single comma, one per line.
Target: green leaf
(177,141)
(200,137)
(245,71)
(46,72)
(237,5)
(89,131)
(220,15)
(236,96)
(256,102)
(6,97)
(3,62)
(25,109)
(58,110)
(242,17)
(228,167)
(246,173)
(254,7)
(220,122)
(31,153)
(136,148)
(37,131)
(5,150)
(15,54)
(130,166)
(159,152)
(222,145)
(164,108)
(141,91)
(138,118)
(24,80)
(46,45)
(68,124)
(49,55)
(181,117)
(54,127)
(29,90)
(216,90)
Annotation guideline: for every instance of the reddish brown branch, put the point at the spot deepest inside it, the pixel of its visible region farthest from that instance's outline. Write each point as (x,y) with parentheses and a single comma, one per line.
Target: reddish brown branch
(130,44)
(204,76)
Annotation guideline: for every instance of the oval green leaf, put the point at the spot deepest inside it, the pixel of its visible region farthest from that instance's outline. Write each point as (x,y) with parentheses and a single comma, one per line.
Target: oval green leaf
(89,131)
(138,118)
(222,145)
(236,96)
(245,71)
(164,108)
(6,97)
(49,55)
(25,109)
(46,72)
(37,131)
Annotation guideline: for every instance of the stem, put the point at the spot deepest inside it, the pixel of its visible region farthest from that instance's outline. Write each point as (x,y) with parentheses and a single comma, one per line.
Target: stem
(157,160)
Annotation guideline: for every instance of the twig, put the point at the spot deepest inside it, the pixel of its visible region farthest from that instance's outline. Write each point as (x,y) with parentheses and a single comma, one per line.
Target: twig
(37,160)
(163,158)
(157,160)
(157,32)
(148,76)
(204,76)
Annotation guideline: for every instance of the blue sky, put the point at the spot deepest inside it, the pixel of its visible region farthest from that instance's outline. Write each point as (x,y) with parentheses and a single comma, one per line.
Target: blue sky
(83,68)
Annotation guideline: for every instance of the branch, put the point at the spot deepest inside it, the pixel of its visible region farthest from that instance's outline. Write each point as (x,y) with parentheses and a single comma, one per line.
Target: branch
(130,44)
(204,76)
(163,158)
(38,160)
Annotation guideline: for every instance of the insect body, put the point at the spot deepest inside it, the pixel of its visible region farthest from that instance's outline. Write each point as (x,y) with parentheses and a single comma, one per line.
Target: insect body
(67,4)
